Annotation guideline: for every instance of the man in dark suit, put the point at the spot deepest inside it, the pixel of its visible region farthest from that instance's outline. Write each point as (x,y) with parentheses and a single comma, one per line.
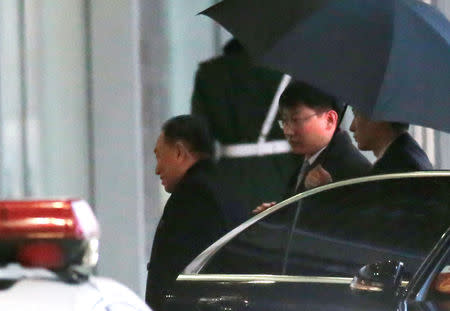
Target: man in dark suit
(309,119)
(234,96)
(193,215)
(395,149)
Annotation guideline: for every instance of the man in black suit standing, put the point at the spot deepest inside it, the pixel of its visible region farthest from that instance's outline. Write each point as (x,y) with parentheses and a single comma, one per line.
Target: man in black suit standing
(193,215)
(395,149)
(237,98)
(309,119)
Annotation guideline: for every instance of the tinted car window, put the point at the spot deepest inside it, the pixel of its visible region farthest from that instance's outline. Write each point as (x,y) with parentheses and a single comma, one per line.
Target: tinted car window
(258,249)
(339,230)
(440,287)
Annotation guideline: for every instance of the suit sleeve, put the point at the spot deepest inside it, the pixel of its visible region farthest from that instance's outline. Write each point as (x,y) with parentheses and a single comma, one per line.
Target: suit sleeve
(198,99)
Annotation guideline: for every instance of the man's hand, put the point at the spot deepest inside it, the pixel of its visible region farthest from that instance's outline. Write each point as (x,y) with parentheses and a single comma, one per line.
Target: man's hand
(263,207)
(316,177)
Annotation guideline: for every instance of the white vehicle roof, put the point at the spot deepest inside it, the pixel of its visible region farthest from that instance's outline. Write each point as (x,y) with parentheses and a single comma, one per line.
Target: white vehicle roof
(40,289)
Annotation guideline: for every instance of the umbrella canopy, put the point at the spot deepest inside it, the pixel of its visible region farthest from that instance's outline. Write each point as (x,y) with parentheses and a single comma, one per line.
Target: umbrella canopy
(390,59)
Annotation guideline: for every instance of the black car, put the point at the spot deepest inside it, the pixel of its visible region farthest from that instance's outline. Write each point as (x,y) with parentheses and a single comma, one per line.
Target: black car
(303,253)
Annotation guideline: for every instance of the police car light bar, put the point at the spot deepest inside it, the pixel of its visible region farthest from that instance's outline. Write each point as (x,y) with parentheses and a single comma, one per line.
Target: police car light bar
(47,219)
(52,234)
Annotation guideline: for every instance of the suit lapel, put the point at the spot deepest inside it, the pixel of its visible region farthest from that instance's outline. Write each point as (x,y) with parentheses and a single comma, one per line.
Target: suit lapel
(321,159)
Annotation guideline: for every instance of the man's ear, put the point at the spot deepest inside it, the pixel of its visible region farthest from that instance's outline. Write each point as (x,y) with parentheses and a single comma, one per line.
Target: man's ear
(332,118)
(181,150)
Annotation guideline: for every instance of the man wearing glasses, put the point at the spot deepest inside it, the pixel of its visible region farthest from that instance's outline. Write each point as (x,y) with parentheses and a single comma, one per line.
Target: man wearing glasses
(309,120)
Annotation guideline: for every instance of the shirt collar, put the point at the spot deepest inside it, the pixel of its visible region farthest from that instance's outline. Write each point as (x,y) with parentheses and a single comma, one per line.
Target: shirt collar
(313,158)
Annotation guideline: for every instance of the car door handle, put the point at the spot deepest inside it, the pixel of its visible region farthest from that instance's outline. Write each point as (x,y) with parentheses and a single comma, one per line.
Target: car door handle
(222,303)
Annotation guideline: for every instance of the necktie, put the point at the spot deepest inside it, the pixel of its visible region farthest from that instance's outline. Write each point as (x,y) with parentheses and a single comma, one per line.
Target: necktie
(301,174)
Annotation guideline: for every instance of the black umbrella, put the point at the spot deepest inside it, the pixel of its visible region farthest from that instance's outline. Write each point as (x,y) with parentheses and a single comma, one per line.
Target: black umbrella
(388,58)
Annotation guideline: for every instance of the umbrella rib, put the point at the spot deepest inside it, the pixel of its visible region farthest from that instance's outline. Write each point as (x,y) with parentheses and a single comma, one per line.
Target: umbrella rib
(425,24)
(430,26)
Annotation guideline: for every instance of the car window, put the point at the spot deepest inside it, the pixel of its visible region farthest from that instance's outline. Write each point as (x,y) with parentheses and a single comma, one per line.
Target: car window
(258,249)
(339,230)
(442,281)
(439,291)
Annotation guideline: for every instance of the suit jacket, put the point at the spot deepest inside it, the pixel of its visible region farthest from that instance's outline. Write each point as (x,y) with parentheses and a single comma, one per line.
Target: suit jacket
(234,96)
(340,158)
(402,155)
(191,221)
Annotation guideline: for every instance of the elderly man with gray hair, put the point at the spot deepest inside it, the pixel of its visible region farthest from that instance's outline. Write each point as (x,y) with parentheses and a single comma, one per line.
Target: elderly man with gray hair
(193,217)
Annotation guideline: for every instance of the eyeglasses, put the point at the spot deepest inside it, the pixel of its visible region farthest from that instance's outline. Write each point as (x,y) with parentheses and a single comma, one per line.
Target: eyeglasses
(294,122)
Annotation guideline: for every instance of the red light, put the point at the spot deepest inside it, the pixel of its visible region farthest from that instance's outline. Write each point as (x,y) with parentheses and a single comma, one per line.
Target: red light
(41,254)
(47,219)
(48,233)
